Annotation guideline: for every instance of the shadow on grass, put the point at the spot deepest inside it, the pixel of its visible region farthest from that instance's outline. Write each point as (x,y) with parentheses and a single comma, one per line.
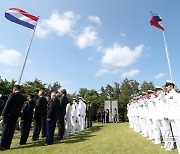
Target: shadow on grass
(75,138)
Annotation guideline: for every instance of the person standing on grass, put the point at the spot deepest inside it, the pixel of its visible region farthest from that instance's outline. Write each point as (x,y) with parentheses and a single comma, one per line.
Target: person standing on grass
(74,115)
(62,113)
(52,115)
(27,115)
(115,115)
(40,116)
(10,114)
(89,112)
(67,119)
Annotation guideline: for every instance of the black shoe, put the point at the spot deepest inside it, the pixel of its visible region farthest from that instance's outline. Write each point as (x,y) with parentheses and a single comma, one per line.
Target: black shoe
(3,149)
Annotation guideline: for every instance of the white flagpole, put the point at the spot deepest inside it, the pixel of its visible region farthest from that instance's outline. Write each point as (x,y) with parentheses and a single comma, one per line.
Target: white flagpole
(27,53)
(167,54)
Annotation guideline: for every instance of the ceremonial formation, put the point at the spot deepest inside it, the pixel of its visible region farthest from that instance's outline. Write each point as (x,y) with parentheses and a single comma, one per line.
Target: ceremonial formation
(155,115)
(47,112)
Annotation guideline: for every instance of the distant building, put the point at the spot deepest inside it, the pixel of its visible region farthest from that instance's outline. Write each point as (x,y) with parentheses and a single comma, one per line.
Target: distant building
(111,105)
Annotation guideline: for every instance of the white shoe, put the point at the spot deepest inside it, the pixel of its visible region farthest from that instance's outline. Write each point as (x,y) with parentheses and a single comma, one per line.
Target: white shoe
(149,139)
(168,149)
(157,142)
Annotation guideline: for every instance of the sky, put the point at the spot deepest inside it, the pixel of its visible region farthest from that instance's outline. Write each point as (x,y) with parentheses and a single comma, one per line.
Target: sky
(91,43)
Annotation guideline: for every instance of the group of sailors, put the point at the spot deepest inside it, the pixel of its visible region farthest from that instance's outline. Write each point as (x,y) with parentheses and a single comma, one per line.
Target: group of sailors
(47,112)
(155,115)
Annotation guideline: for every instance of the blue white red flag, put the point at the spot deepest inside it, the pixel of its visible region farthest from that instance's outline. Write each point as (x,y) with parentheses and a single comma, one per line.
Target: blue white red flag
(21,17)
(156,21)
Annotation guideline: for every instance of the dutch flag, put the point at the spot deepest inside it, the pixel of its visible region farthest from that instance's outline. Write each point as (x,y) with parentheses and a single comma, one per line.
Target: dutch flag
(21,17)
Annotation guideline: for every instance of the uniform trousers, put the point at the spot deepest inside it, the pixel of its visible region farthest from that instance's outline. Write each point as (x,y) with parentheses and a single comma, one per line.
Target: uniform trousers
(61,127)
(8,129)
(37,128)
(50,127)
(73,123)
(79,123)
(25,129)
(67,126)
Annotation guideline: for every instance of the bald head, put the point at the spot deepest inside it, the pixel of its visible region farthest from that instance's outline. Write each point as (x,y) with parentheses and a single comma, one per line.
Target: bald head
(41,93)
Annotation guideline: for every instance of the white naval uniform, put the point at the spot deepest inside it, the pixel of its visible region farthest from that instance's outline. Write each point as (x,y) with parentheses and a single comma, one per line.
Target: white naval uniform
(67,119)
(83,114)
(149,118)
(73,117)
(173,101)
(79,115)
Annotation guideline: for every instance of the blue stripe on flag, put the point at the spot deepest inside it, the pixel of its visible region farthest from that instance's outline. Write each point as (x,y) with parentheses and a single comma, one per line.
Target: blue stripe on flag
(20,22)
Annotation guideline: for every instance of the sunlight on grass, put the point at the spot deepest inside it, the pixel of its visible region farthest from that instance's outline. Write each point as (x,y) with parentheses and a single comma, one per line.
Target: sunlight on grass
(107,138)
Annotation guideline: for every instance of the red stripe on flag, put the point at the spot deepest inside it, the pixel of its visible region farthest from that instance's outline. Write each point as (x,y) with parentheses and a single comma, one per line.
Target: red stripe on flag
(25,14)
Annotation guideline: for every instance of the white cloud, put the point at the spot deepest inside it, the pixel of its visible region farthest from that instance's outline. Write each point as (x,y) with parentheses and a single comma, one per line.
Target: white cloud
(123,34)
(10,57)
(8,71)
(87,38)
(159,76)
(94,19)
(130,73)
(121,56)
(101,72)
(61,24)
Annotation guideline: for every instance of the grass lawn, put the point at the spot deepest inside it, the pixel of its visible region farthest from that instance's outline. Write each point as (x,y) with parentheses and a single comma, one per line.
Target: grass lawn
(102,139)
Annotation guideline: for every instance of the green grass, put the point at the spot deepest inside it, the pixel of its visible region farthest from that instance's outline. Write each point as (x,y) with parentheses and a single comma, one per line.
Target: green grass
(101,139)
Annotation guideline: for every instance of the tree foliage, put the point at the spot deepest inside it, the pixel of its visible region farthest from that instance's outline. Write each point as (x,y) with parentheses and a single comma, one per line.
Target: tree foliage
(121,92)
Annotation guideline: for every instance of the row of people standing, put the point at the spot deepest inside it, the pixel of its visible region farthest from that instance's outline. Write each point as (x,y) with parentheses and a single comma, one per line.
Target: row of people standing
(47,112)
(156,115)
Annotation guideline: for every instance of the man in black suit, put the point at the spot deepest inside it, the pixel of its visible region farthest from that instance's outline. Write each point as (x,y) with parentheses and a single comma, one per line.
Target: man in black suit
(27,115)
(52,115)
(10,114)
(62,113)
(40,116)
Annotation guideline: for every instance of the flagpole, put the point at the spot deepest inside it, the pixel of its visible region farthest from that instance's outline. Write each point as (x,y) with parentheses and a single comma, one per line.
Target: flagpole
(27,53)
(167,54)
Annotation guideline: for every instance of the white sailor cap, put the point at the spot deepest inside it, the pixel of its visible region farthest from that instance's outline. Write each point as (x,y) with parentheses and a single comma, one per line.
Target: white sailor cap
(143,93)
(158,88)
(80,98)
(149,91)
(169,82)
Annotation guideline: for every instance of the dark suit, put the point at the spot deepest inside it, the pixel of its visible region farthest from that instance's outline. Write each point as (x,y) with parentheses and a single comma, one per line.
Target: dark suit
(27,115)
(62,113)
(89,113)
(52,114)
(10,114)
(40,117)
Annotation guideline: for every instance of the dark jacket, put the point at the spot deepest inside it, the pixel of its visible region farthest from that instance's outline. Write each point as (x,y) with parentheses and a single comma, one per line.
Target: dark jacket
(53,109)
(63,103)
(41,107)
(13,105)
(28,107)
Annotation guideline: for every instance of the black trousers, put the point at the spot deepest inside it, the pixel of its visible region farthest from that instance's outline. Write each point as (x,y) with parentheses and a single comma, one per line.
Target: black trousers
(61,127)
(50,125)
(43,126)
(37,128)
(8,132)
(25,129)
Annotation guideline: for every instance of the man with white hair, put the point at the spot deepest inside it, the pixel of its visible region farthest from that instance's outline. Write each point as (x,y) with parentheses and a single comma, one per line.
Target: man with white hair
(40,116)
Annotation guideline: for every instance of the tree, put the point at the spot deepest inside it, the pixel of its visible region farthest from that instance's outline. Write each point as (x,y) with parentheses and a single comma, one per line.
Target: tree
(145,86)
(82,92)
